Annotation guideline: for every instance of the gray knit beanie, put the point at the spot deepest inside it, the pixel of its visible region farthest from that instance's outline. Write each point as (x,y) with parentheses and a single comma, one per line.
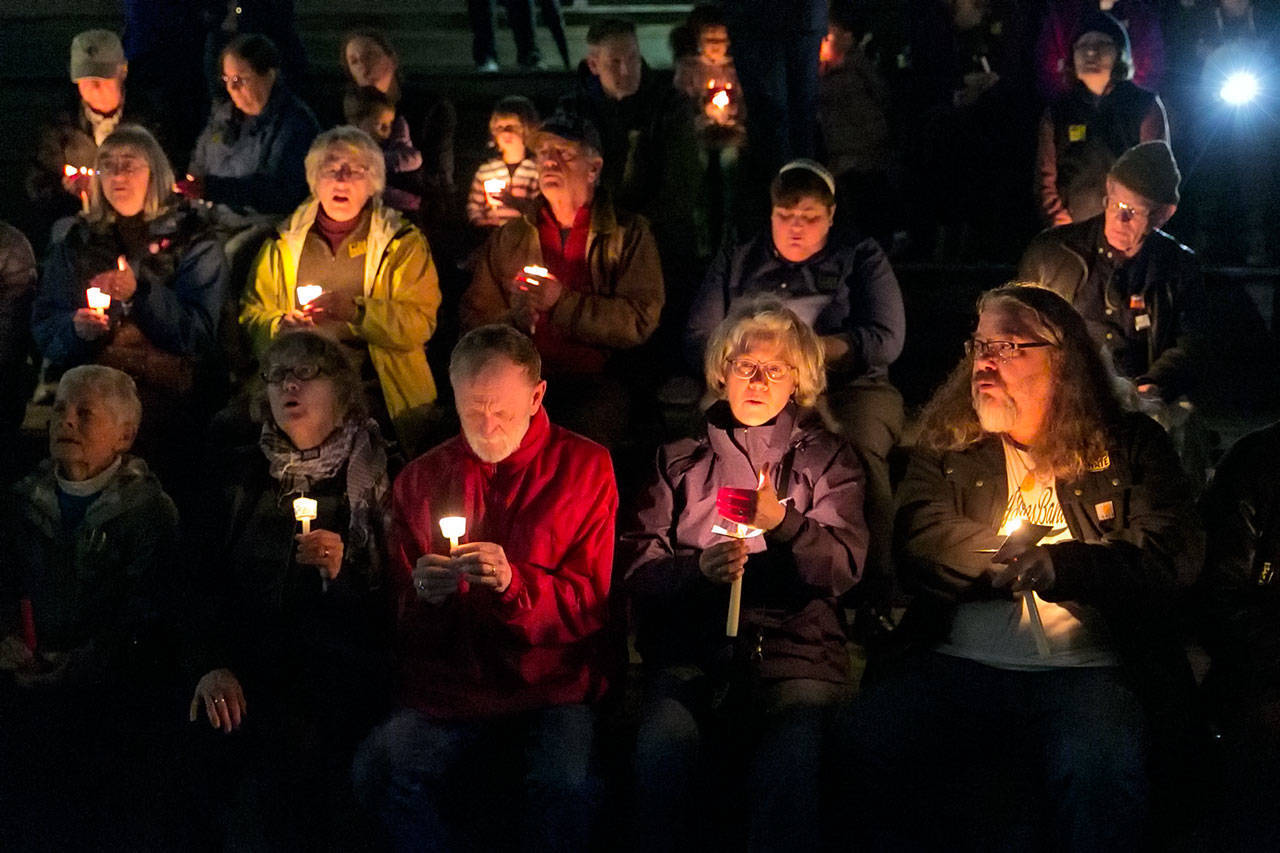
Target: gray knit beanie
(1149,170)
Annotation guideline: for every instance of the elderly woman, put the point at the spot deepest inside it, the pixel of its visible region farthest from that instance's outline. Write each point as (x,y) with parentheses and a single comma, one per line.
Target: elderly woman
(249,156)
(356,272)
(155,264)
(799,490)
(89,542)
(841,284)
(1102,115)
(292,645)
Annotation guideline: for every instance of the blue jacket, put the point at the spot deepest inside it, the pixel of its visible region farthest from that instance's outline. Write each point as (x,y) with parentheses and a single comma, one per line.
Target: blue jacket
(257,161)
(847,288)
(181,274)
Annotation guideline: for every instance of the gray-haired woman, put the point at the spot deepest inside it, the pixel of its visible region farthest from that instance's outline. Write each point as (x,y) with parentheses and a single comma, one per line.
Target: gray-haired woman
(349,268)
(291,644)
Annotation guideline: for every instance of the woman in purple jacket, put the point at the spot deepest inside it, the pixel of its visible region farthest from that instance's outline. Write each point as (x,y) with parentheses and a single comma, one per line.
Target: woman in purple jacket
(764,696)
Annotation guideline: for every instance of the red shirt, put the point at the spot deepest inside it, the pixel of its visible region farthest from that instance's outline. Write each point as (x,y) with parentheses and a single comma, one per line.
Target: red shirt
(566,258)
(542,641)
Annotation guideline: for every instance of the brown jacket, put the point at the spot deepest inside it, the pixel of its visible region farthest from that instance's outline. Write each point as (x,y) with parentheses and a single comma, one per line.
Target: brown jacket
(622,308)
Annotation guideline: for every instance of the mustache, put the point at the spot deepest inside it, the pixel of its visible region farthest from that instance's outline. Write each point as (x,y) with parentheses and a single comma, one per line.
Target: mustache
(987,376)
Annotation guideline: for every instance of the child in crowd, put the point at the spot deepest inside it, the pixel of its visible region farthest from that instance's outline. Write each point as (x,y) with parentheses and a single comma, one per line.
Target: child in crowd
(710,79)
(506,186)
(374,112)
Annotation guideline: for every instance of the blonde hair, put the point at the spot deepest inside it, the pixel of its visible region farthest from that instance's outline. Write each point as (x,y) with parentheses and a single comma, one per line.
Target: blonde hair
(766,318)
(354,140)
(159,183)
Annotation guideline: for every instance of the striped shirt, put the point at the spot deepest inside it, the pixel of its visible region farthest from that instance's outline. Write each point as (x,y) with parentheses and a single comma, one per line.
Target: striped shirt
(517,199)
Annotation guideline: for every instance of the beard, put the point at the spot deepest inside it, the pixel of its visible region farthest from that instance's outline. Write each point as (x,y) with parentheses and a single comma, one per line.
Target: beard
(996,410)
(496,448)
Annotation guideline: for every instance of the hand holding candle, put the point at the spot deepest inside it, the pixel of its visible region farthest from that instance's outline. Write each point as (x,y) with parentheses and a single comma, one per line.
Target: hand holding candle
(307,293)
(743,510)
(493,190)
(304,510)
(757,508)
(97,300)
(1026,568)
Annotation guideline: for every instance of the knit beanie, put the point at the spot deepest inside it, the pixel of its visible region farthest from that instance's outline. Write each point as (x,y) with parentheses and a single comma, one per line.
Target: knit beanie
(1149,170)
(1097,21)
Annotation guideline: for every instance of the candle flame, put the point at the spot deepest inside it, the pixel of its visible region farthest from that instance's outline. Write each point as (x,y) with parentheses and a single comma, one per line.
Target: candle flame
(453,527)
(307,293)
(304,508)
(122,264)
(97,299)
(495,185)
(721,99)
(70,171)
(536,270)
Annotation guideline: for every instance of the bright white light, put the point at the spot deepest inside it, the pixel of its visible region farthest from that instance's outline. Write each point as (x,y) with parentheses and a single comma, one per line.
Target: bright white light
(1239,89)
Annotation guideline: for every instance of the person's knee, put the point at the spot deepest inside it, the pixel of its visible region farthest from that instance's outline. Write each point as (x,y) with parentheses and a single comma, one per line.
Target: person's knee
(668,736)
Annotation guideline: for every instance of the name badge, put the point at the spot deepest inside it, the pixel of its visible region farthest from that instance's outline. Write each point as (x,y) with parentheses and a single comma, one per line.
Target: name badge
(1076,132)
(355,250)
(1138,302)
(1141,321)
(1105,510)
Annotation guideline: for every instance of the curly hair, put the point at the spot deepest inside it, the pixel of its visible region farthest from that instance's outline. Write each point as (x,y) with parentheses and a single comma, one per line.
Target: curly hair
(1086,404)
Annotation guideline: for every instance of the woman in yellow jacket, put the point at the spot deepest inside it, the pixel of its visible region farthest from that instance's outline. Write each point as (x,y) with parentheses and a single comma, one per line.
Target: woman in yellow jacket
(349,268)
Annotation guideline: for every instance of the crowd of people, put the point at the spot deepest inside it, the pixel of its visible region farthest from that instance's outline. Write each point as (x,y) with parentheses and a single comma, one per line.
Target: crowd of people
(563,537)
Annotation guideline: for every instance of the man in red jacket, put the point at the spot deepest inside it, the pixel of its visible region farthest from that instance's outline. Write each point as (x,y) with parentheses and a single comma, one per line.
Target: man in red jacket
(503,647)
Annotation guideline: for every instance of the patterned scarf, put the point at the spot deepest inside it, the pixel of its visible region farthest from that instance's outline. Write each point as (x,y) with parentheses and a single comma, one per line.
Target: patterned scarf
(360,447)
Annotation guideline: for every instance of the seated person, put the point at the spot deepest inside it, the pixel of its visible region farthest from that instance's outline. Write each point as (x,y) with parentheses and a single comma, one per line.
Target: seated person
(1139,290)
(87,590)
(503,644)
(506,186)
(1240,619)
(291,645)
(249,156)
(58,180)
(601,294)
(17,289)
(841,284)
(375,113)
(353,270)
(786,665)
(1054,656)
(156,263)
(1101,115)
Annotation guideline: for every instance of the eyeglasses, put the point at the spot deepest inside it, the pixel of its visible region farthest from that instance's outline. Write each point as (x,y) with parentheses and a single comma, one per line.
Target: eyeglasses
(999,350)
(748,368)
(278,373)
(344,172)
(1126,213)
(1099,47)
(122,167)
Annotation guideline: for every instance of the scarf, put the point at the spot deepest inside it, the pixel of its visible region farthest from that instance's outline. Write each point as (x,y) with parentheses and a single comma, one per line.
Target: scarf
(357,445)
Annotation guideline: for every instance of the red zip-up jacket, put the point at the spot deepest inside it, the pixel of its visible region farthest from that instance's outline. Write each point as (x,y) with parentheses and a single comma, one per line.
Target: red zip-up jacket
(551,506)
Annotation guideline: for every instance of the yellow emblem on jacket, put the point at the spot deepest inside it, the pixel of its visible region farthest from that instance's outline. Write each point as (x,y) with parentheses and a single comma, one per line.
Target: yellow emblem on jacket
(1076,132)
(356,249)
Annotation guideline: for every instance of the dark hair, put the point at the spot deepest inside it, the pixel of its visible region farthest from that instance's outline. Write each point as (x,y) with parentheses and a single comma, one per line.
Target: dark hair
(520,107)
(310,348)
(683,41)
(607,28)
(363,33)
(1086,404)
(478,347)
(793,186)
(1097,21)
(702,16)
(256,49)
(360,102)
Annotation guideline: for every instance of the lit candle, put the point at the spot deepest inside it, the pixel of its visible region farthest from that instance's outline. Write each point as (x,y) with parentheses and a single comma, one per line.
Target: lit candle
(70,171)
(97,300)
(1029,599)
(307,293)
(453,528)
(534,273)
(121,263)
(721,100)
(493,188)
(84,202)
(735,608)
(304,510)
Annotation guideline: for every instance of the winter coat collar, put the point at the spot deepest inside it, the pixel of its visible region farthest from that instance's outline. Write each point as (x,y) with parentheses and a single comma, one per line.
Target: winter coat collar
(385,225)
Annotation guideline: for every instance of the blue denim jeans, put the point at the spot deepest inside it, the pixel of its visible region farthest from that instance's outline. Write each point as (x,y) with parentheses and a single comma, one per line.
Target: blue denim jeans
(955,753)
(768,759)
(438,785)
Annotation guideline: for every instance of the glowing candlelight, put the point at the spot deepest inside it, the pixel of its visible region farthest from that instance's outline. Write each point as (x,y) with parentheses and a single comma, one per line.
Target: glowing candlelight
(70,171)
(453,528)
(121,263)
(721,100)
(97,300)
(304,510)
(536,272)
(84,202)
(493,188)
(307,293)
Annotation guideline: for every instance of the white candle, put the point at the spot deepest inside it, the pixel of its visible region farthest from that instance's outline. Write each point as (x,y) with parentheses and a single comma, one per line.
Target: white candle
(735,607)
(453,528)
(304,510)
(1037,626)
(97,300)
(84,201)
(721,100)
(494,187)
(308,293)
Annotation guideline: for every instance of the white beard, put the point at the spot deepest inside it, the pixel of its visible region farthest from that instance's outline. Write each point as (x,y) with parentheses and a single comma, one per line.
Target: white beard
(494,450)
(997,412)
